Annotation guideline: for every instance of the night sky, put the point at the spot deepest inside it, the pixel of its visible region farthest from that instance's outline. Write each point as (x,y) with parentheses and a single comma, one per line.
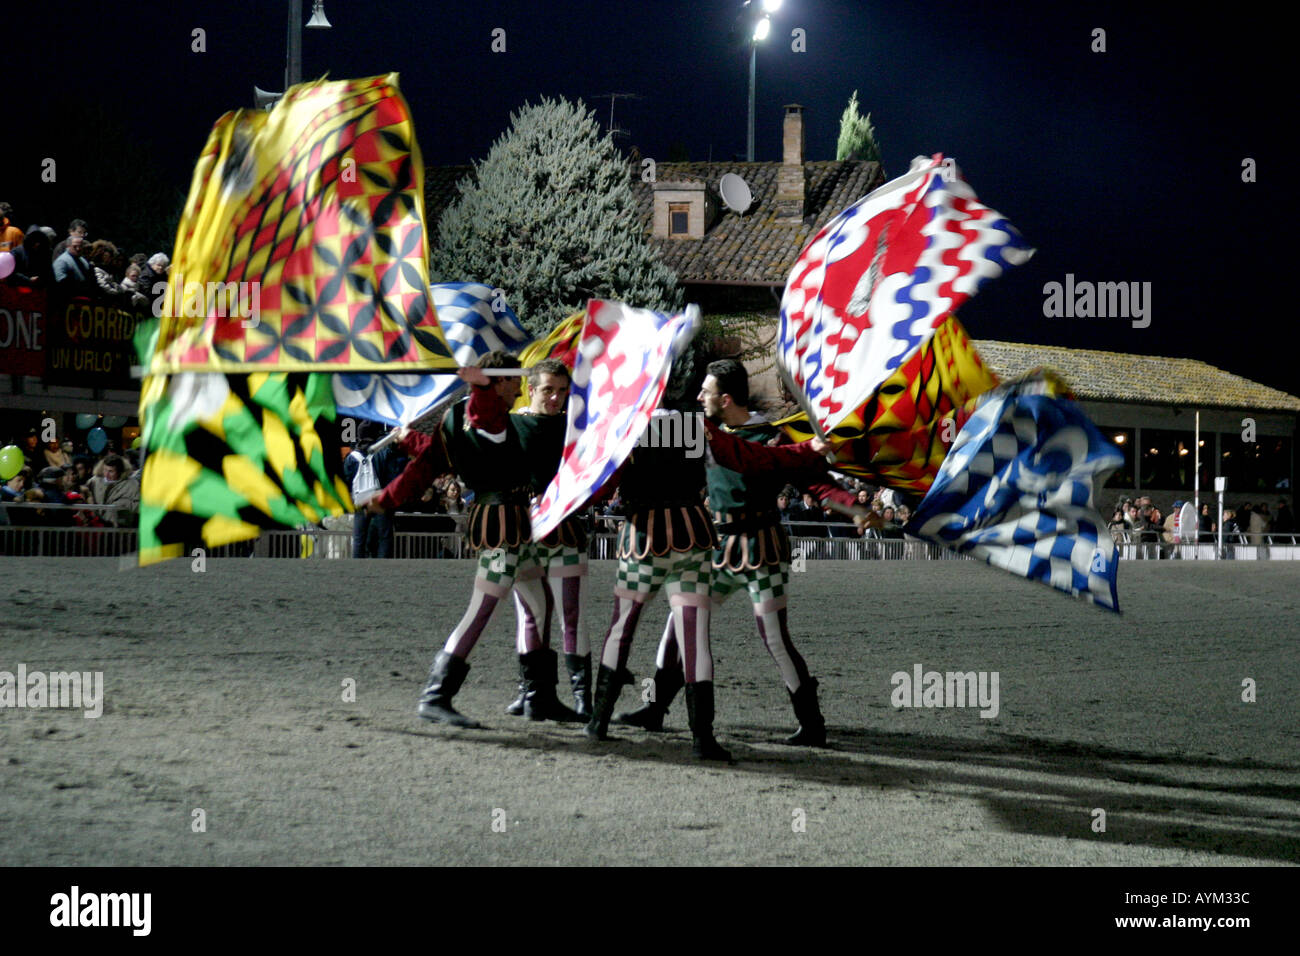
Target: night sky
(1119,166)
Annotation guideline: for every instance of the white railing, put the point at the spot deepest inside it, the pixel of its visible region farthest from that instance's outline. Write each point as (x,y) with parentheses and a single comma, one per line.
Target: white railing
(322,544)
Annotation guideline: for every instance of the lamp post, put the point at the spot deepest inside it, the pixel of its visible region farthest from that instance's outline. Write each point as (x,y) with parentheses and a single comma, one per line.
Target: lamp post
(293,60)
(762,27)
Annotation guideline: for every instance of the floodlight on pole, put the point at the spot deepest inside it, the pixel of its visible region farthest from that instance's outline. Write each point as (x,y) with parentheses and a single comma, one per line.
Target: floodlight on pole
(761,30)
(293,60)
(319,21)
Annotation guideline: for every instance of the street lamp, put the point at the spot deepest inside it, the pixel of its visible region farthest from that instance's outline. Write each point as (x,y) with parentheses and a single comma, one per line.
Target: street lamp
(762,27)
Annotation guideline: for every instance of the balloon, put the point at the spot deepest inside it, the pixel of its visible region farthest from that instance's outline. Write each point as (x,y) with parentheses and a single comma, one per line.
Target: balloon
(86,420)
(97,439)
(135,443)
(114,421)
(11,461)
(6,263)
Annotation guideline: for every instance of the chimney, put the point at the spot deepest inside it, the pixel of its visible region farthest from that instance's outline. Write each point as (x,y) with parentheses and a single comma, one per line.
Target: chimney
(790,178)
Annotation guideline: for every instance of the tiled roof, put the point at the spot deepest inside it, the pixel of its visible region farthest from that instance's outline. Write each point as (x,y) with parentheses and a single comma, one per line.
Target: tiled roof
(755,248)
(1124,377)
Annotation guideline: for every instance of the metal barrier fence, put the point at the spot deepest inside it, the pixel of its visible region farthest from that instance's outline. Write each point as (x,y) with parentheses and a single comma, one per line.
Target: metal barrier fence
(323,544)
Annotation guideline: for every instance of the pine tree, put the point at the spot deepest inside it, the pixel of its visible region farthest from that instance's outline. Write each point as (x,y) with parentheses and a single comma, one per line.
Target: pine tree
(857,135)
(549,217)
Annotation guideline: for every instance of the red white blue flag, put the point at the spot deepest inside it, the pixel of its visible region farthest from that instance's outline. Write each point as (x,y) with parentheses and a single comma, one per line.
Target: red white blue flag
(873,285)
(624,359)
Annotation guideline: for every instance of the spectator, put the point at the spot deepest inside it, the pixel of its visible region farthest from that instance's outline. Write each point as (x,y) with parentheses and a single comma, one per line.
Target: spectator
(75,228)
(11,237)
(50,481)
(33,455)
(1206,527)
(33,264)
(367,473)
(114,487)
(806,518)
(81,474)
(783,505)
(1243,521)
(58,455)
(891,527)
(153,273)
(1117,527)
(12,490)
(102,255)
(453,503)
(72,271)
(131,279)
(1260,525)
(1283,521)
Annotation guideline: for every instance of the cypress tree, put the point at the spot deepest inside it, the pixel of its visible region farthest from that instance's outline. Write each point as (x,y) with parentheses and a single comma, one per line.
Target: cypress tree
(549,217)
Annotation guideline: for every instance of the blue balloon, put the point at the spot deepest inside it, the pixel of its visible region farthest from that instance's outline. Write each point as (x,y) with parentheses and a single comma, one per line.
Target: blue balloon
(86,420)
(97,439)
(114,421)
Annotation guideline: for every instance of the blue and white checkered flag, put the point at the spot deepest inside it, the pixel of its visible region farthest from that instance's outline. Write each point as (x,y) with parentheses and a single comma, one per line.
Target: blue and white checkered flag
(474,318)
(1018,490)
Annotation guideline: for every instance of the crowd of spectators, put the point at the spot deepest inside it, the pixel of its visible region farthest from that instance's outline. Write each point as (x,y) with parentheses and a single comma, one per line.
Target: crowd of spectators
(78,265)
(1139,521)
(56,475)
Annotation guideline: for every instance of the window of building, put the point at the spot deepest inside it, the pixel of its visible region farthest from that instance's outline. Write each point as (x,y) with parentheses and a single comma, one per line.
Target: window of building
(1167,459)
(679,218)
(1123,439)
(1255,467)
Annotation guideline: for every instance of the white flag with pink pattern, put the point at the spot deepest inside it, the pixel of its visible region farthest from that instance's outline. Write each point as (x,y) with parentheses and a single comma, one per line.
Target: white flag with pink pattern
(624,359)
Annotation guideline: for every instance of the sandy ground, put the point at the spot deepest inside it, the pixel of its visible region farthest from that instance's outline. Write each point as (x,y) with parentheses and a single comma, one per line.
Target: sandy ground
(224,693)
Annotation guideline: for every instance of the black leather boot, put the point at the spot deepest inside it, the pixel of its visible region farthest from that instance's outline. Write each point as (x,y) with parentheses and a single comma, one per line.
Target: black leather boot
(651,717)
(608,685)
(812,725)
(699,706)
(445,677)
(580,680)
(540,678)
(516,707)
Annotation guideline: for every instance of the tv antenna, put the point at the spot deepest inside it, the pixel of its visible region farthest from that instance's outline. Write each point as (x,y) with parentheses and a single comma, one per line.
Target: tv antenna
(616,132)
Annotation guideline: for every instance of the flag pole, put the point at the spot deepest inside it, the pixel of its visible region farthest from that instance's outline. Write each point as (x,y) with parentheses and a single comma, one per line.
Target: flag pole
(801,399)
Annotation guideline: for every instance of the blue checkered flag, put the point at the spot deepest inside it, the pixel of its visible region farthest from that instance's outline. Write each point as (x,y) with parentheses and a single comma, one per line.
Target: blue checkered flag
(1018,490)
(475,320)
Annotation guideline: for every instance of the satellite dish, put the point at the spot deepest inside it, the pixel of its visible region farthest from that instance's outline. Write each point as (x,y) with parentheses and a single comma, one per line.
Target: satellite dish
(735,192)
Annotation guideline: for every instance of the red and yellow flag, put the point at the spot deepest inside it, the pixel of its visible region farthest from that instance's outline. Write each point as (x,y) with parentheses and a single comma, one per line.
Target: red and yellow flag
(901,436)
(302,246)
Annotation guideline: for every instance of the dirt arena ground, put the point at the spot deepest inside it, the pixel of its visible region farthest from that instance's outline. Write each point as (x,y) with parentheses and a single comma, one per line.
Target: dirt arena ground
(223,692)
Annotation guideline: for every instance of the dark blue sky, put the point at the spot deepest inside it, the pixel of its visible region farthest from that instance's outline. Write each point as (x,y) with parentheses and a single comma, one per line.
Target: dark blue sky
(1122,166)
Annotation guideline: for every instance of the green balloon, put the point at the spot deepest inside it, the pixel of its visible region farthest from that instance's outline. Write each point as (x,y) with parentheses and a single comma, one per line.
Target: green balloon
(135,442)
(11,461)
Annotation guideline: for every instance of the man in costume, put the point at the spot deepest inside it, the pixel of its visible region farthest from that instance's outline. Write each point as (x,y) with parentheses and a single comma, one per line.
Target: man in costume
(484,450)
(561,555)
(668,541)
(753,554)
